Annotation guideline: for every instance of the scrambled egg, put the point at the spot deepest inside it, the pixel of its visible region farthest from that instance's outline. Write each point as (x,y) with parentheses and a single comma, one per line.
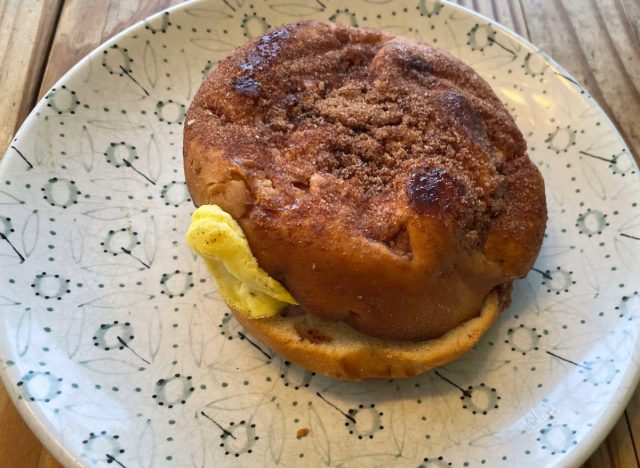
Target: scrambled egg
(243,285)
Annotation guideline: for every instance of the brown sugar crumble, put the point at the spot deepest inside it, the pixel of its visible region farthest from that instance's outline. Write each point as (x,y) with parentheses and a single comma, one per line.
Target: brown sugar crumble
(361,116)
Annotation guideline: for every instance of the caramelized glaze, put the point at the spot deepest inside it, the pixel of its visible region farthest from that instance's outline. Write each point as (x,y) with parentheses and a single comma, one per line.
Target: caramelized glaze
(379,179)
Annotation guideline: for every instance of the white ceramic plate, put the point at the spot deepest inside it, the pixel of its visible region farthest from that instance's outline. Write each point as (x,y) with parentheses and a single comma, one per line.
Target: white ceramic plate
(117,349)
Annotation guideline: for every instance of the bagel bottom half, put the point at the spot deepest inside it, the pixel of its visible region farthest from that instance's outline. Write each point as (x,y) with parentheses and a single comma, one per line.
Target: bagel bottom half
(337,350)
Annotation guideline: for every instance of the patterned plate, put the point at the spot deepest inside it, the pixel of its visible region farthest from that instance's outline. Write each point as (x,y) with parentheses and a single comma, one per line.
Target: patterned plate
(117,348)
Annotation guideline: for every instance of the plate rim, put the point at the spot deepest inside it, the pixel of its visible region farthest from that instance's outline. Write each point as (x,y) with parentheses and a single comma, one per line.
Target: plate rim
(629,383)
(602,425)
(30,412)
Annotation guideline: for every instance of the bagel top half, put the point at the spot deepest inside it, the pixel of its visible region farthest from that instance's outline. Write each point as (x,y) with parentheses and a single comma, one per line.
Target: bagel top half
(380,180)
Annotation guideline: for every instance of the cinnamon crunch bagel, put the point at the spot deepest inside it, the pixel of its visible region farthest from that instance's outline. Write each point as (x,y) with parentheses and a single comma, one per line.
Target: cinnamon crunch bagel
(380,181)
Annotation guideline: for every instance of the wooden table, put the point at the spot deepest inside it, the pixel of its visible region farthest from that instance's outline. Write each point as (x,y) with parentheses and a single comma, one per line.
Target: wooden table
(596,40)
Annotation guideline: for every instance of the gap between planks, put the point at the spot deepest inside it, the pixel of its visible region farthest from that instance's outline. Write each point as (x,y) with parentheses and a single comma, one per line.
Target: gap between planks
(26,32)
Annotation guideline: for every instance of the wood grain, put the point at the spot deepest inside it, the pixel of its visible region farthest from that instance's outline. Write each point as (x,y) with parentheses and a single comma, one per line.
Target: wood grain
(632,415)
(29,26)
(26,29)
(617,449)
(84,25)
(506,12)
(590,39)
(631,10)
(598,41)
(18,446)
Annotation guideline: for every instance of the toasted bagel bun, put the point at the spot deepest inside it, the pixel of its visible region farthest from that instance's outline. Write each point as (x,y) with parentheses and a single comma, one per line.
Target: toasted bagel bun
(378,179)
(337,350)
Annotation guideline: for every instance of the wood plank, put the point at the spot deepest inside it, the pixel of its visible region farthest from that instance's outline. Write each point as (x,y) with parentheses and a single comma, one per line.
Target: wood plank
(616,62)
(82,26)
(46,460)
(85,25)
(506,12)
(633,420)
(26,29)
(510,14)
(599,43)
(631,10)
(484,8)
(590,40)
(620,22)
(616,450)
(30,447)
